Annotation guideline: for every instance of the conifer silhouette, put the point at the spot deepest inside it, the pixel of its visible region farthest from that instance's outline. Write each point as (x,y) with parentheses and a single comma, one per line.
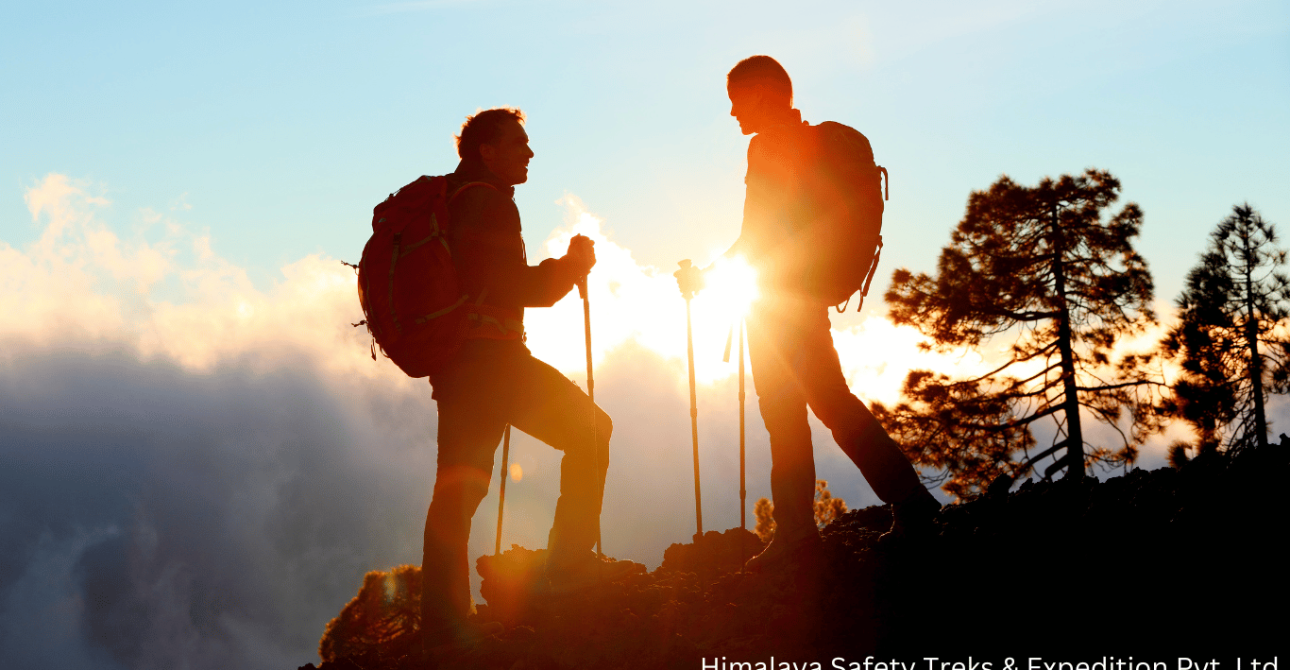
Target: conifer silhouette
(975,432)
(380,620)
(1042,267)
(826,509)
(1229,341)
(763,510)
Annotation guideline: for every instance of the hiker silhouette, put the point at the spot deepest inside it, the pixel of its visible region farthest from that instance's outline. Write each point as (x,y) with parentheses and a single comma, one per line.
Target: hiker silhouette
(797,207)
(493,380)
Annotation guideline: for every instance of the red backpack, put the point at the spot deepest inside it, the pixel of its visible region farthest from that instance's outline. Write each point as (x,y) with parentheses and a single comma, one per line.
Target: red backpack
(850,245)
(407,285)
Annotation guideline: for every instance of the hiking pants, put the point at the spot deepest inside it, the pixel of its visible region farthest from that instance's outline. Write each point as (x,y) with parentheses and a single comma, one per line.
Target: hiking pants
(489,384)
(794,366)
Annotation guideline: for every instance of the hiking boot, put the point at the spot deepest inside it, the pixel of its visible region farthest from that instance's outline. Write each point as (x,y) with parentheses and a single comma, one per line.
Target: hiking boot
(785,550)
(912,518)
(566,577)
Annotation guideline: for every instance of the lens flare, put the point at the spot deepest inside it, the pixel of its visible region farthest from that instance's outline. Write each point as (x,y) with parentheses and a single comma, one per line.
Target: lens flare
(640,303)
(731,288)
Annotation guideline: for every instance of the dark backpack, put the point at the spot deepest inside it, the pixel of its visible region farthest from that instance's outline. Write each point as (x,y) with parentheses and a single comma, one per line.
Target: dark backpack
(848,210)
(407,285)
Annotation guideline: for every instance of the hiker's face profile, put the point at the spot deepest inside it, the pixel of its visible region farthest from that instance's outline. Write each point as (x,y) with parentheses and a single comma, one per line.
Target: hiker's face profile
(508,156)
(748,106)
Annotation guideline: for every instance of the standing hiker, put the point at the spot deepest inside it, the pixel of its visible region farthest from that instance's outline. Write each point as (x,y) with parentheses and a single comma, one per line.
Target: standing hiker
(493,380)
(794,213)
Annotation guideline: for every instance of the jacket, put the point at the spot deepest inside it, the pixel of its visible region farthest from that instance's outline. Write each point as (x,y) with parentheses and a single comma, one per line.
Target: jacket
(488,252)
(780,205)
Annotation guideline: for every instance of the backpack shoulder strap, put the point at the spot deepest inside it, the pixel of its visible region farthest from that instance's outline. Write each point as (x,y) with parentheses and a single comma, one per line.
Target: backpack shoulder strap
(463,187)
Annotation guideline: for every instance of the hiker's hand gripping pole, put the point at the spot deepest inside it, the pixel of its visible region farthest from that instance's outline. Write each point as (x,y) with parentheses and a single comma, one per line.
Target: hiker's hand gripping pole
(687,291)
(591,393)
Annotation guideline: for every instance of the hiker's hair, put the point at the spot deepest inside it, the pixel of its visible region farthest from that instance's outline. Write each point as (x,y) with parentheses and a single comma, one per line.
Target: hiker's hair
(483,128)
(762,70)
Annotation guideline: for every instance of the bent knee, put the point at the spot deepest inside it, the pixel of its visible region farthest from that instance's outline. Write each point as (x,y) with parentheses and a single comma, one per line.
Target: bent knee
(461,481)
(604,425)
(604,430)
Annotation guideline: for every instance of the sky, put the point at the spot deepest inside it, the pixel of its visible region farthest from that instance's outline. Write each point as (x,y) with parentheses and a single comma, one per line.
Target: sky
(199,456)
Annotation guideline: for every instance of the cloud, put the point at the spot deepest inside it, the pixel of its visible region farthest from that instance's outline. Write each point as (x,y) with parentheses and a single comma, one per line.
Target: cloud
(41,614)
(242,500)
(199,480)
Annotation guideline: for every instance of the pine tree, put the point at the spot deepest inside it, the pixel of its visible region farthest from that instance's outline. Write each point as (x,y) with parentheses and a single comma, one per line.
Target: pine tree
(968,455)
(1040,266)
(827,508)
(764,511)
(1229,340)
(385,613)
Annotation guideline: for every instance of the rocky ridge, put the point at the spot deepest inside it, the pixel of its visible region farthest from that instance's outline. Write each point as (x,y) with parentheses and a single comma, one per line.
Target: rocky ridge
(1154,565)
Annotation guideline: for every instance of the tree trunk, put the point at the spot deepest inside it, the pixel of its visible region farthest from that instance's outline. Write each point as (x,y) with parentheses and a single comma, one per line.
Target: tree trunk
(1070,402)
(1252,343)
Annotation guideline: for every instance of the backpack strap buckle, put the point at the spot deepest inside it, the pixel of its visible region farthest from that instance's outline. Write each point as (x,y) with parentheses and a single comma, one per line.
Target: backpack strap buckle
(486,322)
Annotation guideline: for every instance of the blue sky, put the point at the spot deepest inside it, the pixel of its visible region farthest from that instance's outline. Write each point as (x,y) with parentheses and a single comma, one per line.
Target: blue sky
(282,124)
(190,428)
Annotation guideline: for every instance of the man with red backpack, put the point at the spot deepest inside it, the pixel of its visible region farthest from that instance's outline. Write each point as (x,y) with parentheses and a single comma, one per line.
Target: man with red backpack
(493,380)
(812,213)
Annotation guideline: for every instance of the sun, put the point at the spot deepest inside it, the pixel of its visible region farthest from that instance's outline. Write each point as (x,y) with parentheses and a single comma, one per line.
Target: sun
(640,303)
(731,289)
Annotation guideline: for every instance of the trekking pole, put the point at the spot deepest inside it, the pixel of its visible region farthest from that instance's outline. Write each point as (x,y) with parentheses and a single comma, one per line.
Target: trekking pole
(591,393)
(743,491)
(688,293)
(501,502)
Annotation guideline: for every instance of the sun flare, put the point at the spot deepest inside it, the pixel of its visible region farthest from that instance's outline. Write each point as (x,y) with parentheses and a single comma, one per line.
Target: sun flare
(641,303)
(731,289)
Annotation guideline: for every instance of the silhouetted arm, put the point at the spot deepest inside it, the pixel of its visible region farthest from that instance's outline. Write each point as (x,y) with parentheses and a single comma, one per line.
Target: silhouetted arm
(489,252)
(769,185)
